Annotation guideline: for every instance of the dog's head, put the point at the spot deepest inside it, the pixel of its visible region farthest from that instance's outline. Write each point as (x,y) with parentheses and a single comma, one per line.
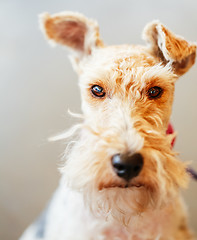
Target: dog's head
(123,161)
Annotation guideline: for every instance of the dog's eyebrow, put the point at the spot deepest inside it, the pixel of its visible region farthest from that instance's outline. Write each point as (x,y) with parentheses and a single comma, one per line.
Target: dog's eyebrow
(157,72)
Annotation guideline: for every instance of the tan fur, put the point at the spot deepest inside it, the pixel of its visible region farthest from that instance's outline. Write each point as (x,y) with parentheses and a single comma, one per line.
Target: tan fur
(170,47)
(70,29)
(126,120)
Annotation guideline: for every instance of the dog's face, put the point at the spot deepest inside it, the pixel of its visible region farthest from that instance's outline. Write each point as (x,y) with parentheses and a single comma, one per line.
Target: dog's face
(123,161)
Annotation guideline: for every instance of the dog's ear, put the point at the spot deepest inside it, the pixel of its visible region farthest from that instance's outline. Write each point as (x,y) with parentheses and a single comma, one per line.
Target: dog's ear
(169,47)
(72,30)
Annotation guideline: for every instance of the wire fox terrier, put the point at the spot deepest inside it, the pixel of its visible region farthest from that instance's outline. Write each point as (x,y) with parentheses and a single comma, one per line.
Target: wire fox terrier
(121,179)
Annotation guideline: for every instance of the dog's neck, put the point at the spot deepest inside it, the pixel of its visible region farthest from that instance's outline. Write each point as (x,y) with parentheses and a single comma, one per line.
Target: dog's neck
(152,225)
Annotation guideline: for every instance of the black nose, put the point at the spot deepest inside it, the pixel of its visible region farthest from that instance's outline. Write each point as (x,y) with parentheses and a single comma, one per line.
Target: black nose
(127,166)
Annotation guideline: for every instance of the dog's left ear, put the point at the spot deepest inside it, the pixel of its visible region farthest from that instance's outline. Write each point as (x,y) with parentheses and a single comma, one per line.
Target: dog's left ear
(170,48)
(73,30)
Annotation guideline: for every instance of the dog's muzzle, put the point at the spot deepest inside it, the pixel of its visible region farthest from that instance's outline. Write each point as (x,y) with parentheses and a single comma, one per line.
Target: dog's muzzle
(127,166)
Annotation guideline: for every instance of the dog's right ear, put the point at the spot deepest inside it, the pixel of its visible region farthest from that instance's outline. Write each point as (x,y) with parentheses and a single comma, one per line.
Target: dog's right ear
(72,30)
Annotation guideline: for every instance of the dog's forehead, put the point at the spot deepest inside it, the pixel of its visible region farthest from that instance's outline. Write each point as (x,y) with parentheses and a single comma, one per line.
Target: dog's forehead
(130,55)
(124,64)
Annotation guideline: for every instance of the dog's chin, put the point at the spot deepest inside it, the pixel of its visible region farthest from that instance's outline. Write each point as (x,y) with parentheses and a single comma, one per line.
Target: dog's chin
(120,201)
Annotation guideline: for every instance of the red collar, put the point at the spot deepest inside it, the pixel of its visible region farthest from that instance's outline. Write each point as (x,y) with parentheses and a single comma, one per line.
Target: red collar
(170,130)
(190,170)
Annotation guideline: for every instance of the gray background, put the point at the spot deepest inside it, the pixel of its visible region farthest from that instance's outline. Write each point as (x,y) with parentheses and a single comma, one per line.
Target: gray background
(37,85)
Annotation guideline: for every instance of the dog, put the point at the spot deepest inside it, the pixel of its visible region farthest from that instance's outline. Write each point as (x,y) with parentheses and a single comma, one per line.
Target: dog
(121,178)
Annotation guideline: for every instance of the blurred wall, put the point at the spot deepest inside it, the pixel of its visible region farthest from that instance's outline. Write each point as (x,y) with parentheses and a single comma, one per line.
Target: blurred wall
(37,86)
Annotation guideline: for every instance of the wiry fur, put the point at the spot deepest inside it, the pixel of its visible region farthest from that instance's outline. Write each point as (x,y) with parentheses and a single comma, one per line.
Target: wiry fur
(92,201)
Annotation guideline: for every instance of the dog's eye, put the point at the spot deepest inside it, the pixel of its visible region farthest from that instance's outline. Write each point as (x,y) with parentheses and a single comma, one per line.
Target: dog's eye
(155,92)
(98,91)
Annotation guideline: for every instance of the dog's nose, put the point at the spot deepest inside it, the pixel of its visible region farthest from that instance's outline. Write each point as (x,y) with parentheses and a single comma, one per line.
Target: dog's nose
(127,166)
